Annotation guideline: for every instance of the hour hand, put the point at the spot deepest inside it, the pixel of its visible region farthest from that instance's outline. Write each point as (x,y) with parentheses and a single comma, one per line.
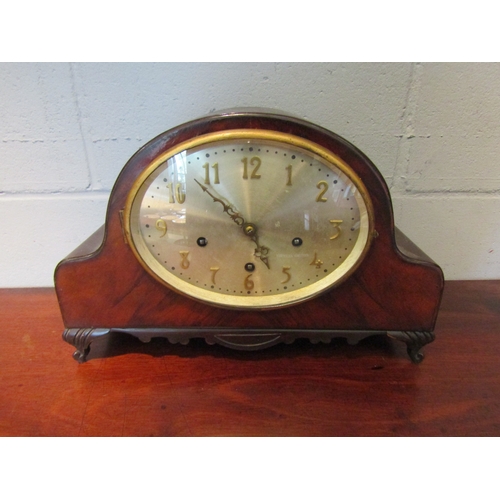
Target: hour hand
(249,229)
(261,252)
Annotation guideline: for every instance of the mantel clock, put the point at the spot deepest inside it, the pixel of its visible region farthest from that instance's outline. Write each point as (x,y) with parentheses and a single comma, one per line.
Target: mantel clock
(248,228)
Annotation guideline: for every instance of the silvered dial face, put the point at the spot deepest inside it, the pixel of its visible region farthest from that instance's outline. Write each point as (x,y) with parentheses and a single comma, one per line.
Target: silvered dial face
(250,219)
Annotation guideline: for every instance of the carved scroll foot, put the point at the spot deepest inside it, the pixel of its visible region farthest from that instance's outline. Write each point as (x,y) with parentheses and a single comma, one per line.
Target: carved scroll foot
(414,342)
(81,338)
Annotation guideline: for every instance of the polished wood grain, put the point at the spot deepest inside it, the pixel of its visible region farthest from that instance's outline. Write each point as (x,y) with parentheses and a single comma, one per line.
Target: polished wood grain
(128,388)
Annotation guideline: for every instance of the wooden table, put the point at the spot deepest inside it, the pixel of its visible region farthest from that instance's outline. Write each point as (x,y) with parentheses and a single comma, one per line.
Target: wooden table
(127,388)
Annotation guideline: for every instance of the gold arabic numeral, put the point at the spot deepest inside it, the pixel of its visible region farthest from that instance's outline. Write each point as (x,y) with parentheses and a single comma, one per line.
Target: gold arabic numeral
(184,259)
(316,262)
(286,272)
(161,225)
(214,270)
(207,173)
(180,195)
(288,175)
(336,225)
(170,193)
(323,187)
(255,163)
(215,166)
(245,168)
(249,284)
(176,194)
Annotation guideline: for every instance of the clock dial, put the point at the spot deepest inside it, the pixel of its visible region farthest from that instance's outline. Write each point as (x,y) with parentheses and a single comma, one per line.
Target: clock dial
(249,218)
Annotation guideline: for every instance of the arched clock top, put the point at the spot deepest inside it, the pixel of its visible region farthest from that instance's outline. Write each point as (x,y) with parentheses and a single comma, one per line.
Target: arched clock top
(259,120)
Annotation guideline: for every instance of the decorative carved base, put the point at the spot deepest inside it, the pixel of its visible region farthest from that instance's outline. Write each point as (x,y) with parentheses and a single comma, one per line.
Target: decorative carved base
(414,342)
(81,338)
(246,339)
(243,339)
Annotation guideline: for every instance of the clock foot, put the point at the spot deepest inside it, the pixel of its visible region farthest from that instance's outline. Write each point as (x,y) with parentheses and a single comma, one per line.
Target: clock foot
(414,342)
(81,338)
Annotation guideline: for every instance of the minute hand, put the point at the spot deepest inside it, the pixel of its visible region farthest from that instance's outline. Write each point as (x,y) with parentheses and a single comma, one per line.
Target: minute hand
(249,229)
(236,216)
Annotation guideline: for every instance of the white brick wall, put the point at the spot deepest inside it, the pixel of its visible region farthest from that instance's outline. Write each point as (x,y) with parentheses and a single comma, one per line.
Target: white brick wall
(66,130)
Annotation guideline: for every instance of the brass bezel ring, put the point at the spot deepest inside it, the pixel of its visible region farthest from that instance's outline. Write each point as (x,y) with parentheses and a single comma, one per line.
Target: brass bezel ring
(284,299)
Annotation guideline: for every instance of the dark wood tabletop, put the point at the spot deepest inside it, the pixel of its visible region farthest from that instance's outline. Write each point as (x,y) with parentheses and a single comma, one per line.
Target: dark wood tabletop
(130,388)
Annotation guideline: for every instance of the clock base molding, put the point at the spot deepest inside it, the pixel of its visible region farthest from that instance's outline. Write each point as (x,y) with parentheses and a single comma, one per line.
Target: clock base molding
(414,342)
(243,339)
(81,338)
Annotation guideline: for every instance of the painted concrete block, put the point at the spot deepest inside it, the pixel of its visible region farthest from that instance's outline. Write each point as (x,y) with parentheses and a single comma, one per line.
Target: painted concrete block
(125,105)
(41,146)
(37,231)
(67,129)
(461,232)
(456,128)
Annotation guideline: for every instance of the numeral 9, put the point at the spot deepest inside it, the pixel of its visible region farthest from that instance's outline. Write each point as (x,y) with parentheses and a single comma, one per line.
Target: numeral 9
(161,225)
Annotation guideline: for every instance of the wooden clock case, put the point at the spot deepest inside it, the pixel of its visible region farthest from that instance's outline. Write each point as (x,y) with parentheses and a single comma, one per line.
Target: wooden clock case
(101,287)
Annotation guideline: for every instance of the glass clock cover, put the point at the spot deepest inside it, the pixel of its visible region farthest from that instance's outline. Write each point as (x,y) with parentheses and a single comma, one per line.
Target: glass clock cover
(249,219)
